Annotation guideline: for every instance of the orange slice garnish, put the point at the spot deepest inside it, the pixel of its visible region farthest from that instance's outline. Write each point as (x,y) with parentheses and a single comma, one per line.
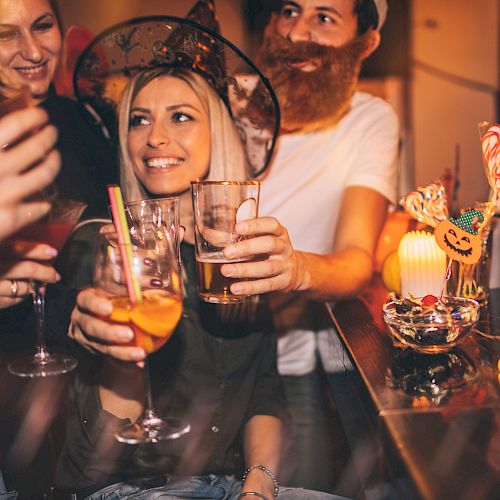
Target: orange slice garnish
(158,314)
(121,310)
(144,340)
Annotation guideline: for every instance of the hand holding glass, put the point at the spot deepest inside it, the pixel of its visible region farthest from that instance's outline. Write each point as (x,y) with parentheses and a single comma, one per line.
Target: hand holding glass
(52,229)
(218,206)
(153,319)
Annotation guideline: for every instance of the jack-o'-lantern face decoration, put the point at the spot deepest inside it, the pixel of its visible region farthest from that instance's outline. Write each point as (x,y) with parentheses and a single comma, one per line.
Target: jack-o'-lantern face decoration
(459,238)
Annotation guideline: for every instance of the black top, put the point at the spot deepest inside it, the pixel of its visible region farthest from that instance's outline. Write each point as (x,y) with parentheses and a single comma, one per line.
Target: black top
(17,323)
(214,376)
(88,163)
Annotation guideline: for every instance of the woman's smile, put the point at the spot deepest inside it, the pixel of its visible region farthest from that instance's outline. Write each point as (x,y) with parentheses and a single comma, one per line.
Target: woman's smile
(169,136)
(33,72)
(163,163)
(30,44)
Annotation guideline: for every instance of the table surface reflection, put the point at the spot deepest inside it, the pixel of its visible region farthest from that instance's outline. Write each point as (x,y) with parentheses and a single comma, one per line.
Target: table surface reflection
(361,327)
(439,415)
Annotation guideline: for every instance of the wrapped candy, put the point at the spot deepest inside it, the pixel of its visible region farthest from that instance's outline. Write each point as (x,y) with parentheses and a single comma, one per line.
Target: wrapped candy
(427,204)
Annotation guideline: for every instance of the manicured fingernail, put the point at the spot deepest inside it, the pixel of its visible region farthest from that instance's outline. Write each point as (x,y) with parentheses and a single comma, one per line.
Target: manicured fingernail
(236,289)
(230,252)
(51,252)
(228,270)
(58,277)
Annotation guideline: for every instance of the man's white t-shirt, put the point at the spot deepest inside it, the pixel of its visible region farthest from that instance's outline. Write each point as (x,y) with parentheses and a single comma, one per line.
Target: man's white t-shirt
(304,189)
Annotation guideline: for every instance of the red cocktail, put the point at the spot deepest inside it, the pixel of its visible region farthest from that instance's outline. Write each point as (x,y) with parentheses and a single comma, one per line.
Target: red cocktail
(53,229)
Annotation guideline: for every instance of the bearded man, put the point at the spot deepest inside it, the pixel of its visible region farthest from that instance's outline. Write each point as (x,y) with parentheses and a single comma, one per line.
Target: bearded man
(329,185)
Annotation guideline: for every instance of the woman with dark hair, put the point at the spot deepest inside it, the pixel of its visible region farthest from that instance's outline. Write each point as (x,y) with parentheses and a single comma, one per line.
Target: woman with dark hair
(30,49)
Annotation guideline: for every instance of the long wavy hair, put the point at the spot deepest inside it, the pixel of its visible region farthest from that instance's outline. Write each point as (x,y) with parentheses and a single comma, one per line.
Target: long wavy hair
(228,160)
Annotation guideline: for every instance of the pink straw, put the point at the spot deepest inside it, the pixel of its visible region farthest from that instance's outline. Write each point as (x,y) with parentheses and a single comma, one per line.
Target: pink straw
(120,223)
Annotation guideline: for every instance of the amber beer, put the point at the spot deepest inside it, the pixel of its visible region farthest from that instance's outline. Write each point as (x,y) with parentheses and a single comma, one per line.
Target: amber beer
(218,207)
(213,286)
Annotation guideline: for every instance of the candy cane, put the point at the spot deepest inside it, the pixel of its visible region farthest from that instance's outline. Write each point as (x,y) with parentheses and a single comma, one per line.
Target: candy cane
(490,143)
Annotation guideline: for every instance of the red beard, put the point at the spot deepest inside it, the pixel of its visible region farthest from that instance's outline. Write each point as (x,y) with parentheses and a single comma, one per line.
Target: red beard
(313,100)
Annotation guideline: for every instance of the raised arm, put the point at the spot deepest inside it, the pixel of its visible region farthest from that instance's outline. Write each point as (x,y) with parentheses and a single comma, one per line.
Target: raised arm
(341,273)
(361,197)
(346,270)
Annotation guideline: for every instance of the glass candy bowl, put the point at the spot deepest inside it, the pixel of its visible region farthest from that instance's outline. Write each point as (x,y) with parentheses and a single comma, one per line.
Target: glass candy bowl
(434,328)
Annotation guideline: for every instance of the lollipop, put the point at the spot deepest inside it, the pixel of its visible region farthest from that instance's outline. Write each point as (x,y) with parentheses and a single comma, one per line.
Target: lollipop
(490,143)
(427,204)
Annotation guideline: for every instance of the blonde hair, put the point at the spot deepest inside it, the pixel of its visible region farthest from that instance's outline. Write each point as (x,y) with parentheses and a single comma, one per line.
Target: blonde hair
(227,160)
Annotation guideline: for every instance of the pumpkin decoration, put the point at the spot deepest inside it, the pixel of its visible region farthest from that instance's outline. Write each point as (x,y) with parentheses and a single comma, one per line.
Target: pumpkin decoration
(391,273)
(459,238)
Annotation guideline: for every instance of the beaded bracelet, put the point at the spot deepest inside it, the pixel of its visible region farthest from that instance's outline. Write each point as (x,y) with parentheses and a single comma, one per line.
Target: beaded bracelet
(266,471)
(252,494)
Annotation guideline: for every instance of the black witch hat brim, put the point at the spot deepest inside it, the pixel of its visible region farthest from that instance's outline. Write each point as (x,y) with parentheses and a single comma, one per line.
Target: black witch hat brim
(121,51)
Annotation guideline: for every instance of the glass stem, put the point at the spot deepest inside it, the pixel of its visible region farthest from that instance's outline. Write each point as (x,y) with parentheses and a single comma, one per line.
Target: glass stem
(39,304)
(148,410)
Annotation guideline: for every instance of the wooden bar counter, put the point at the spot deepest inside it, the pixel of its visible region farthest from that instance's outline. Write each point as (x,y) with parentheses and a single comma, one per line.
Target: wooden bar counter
(418,426)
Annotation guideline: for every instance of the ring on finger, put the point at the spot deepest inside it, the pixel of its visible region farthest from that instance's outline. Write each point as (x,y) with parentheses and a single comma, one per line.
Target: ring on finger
(14,288)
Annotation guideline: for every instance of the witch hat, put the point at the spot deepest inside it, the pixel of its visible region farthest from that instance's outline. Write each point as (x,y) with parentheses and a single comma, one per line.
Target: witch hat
(115,55)
(469,221)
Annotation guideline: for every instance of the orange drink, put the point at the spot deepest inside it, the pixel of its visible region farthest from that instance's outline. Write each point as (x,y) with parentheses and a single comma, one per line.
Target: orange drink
(152,277)
(153,320)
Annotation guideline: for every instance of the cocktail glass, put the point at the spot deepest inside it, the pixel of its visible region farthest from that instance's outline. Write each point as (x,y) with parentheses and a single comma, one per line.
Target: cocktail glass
(160,214)
(153,318)
(52,229)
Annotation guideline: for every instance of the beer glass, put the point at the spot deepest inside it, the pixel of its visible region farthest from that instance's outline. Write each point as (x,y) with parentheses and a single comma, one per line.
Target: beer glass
(218,206)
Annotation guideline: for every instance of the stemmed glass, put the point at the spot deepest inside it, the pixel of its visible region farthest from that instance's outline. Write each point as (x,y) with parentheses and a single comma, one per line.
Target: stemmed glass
(52,229)
(162,213)
(153,319)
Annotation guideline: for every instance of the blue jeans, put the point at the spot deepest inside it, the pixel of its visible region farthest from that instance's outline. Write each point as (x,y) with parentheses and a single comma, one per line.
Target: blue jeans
(209,487)
(4,494)
(308,457)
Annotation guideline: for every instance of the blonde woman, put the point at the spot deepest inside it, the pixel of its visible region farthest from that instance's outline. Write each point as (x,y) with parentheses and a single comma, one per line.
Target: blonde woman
(173,129)
(224,159)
